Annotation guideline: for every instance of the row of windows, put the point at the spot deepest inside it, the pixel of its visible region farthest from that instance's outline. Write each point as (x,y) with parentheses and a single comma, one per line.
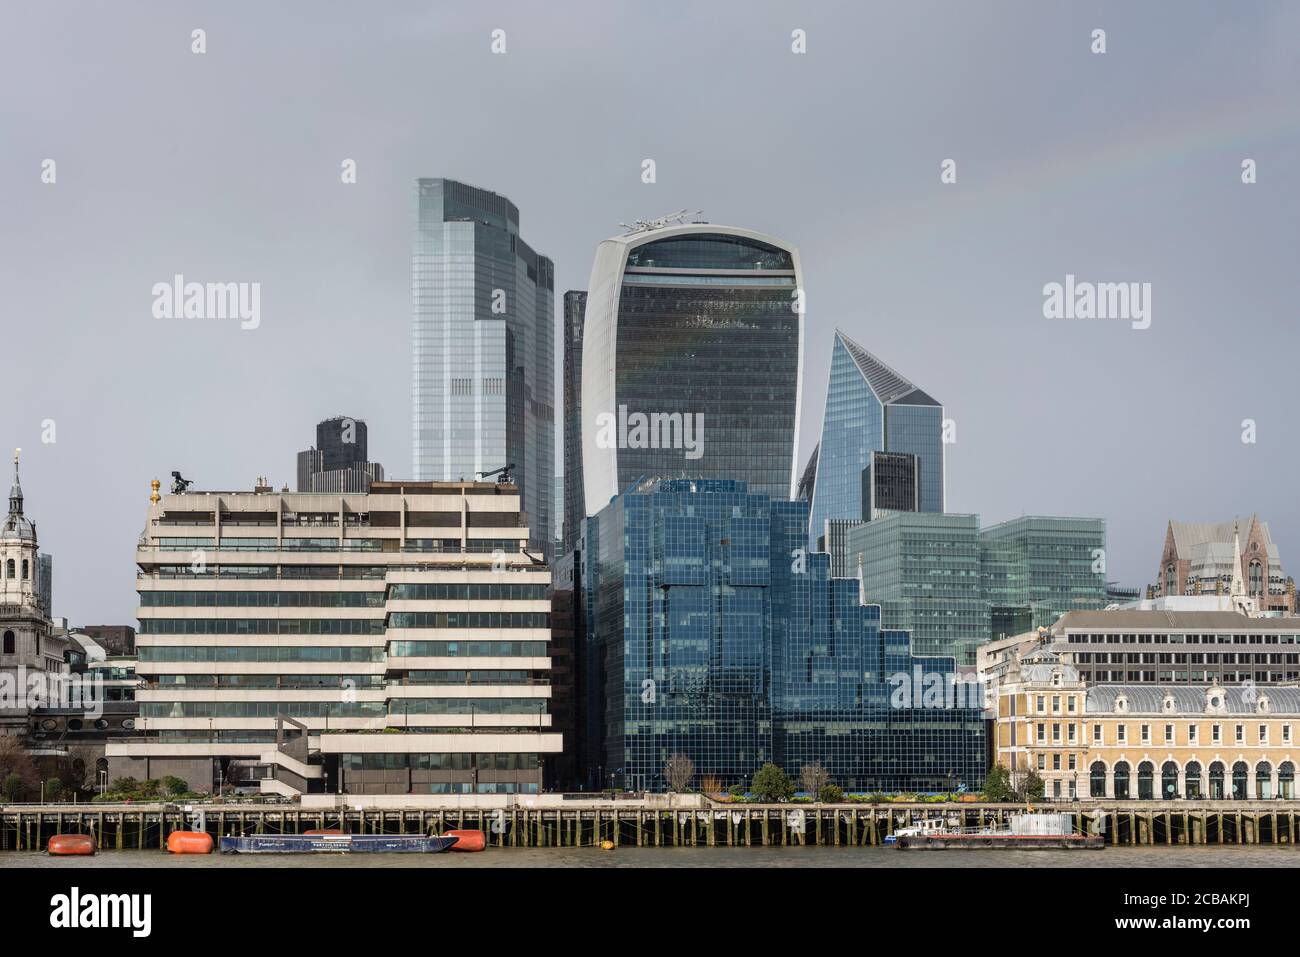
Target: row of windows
(467,706)
(477,591)
(262,599)
(256,653)
(468,649)
(346,682)
(1135,639)
(10,569)
(1144,732)
(261,626)
(502,761)
(262,709)
(470,619)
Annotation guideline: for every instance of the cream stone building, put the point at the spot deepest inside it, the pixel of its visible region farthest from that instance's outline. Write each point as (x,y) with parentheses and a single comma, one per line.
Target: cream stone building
(1144,742)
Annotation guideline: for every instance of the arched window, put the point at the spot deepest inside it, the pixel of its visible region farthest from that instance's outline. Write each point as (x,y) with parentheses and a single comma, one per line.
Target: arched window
(1255,575)
(1121,781)
(1192,781)
(10,569)
(1216,781)
(1097,780)
(1286,781)
(9,643)
(1239,772)
(1146,781)
(1264,781)
(1169,781)
(1171,578)
(24,569)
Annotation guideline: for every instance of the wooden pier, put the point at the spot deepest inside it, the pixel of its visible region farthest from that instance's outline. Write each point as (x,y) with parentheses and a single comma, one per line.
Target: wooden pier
(630,824)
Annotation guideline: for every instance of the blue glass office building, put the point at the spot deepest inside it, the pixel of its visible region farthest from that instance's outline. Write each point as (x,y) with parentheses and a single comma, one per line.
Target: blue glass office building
(870,408)
(483,379)
(710,631)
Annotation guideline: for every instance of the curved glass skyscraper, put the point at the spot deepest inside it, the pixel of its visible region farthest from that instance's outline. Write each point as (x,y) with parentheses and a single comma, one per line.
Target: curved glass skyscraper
(692,360)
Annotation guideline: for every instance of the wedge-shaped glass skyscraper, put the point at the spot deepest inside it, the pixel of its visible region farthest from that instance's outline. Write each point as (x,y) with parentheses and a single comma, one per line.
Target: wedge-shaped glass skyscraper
(482,347)
(872,409)
(692,351)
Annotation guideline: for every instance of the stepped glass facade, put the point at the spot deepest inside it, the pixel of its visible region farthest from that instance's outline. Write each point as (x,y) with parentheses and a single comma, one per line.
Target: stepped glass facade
(711,632)
(395,642)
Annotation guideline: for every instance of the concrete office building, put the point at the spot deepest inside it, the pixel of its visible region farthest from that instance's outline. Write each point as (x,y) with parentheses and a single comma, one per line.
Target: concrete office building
(338,462)
(483,306)
(691,359)
(281,634)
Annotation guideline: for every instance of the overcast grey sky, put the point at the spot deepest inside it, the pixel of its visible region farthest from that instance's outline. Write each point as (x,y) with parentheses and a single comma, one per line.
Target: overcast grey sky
(225,167)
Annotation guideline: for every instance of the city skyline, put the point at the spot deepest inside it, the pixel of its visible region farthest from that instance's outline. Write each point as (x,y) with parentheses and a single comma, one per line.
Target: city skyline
(1053,417)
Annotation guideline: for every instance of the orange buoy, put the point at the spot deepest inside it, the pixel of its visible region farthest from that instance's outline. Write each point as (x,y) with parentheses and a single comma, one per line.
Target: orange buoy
(189,842)
(67,844)
(324,832)
(466,840)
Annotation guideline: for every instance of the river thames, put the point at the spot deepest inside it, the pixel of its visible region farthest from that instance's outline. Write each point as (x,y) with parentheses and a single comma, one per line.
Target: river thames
(868,857)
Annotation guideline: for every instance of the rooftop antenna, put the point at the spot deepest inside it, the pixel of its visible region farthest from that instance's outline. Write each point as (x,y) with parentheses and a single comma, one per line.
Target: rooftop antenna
(672,219)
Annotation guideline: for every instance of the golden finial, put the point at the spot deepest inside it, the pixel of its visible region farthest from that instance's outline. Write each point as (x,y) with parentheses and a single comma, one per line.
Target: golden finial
(154,496)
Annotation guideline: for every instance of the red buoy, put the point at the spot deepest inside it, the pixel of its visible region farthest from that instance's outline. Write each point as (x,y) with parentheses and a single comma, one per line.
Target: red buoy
(189,842)
(67,844)
(467,840)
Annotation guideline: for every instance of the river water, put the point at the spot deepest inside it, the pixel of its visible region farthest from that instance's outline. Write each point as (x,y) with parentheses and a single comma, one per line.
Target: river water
(1161,857)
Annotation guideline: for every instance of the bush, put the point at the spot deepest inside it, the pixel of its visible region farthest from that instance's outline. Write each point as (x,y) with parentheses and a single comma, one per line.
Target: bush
(174,785)
(831,794)
(737,791)
(53,788)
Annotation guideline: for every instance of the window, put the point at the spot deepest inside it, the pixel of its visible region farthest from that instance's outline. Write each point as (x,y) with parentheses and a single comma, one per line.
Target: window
(1191,734)
(9,569)
(1120,733)
(1286,734)
(1241,734)
(24,569)
(1041,704)
(1169,734)
(1042,732)
(1146,734)
(1216,734)
(9,643)
(1096,734)
(1056,704)
(1263,734)
(1056,762)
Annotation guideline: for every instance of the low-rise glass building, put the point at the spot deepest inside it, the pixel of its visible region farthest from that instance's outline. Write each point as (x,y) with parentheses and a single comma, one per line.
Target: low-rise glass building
(713,633)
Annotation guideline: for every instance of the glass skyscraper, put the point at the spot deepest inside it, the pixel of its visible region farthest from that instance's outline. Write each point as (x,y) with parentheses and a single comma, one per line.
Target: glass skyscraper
(482,347)
(710,632)
(870,408)
(953,586)
(575,305)
(692,351)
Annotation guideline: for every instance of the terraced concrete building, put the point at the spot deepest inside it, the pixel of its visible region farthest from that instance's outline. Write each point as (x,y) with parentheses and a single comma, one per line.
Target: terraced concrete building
(395,642)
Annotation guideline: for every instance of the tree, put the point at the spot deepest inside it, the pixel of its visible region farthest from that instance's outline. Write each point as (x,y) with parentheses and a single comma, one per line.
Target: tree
(814,777)
(12,787)
(16,762)
(1031,786)
(678,772)
(997,786)
(53,788)
(772,785)
(831,794)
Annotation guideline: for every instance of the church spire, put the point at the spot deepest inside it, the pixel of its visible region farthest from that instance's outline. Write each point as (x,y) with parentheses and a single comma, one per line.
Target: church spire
(1238,586)
(16,490)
